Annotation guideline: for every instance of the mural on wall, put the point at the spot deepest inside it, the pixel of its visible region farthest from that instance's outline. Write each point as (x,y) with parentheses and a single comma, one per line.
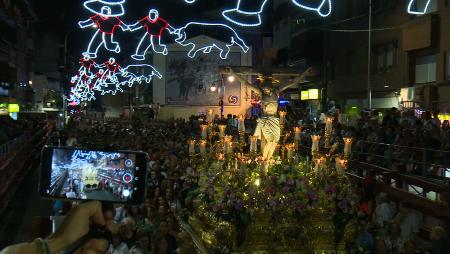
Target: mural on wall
(189,81)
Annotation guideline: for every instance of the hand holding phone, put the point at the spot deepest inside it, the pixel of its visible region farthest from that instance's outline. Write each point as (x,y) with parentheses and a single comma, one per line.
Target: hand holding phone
(77,174)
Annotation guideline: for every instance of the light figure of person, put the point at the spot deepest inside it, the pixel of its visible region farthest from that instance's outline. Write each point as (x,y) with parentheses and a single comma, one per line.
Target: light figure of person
(106,24)
(154,28)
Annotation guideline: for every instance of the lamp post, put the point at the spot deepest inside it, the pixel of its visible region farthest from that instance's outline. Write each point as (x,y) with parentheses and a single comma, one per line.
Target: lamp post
(369,61)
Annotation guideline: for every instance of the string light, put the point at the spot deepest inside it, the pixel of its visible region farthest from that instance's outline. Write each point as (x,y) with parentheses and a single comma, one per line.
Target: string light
(207,47)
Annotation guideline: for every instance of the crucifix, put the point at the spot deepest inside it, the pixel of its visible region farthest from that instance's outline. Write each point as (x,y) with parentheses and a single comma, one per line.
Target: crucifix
(268,128)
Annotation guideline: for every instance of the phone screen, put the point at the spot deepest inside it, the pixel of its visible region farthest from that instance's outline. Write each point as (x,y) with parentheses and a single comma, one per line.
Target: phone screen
(77,174)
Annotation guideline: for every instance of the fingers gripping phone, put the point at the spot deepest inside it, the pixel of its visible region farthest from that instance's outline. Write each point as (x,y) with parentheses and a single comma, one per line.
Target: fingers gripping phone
(77,174)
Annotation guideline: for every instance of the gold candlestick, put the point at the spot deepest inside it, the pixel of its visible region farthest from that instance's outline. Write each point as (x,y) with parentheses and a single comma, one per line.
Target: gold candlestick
(222,130)
(348,147)
(328,130)
(315,145)
(282,119)
(297,136)
(204,129)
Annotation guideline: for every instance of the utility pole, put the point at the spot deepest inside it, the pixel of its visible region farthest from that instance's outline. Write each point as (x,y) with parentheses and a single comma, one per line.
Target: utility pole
(369,61)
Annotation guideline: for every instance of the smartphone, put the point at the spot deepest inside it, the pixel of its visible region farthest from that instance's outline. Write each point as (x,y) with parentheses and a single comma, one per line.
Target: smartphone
(78,174)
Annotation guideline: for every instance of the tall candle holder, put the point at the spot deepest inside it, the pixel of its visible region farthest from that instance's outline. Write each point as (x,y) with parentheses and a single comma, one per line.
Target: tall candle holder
(341,165)
(282,119)
(192,147)
(222,130)
(348,147)
(328,130)
(202,145)
(204,131)
(297,137)
(315,145)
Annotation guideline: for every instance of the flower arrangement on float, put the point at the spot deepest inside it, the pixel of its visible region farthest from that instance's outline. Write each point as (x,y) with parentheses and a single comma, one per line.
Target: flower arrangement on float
(239,189)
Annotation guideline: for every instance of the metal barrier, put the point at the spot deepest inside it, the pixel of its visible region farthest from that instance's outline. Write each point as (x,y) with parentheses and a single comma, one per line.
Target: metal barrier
(8,148)
(414,160)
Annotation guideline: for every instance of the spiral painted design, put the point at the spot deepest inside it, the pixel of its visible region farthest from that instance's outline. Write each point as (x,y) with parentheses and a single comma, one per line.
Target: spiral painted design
(233,99)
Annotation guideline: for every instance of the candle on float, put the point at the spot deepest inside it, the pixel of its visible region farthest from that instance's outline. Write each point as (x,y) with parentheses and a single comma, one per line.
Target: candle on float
(192,147)
(348,147)
(228,144)
(319,163)
(297,132)
(315,143)
(253,140)
(282,117)
(202,147)
(220,156)
(204,129)
(290,151)
(210,116)
(222,130)
(241,123)
(329,124)
(341,165)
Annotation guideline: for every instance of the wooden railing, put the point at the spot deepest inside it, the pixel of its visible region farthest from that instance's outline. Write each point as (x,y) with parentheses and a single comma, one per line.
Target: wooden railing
(18,164)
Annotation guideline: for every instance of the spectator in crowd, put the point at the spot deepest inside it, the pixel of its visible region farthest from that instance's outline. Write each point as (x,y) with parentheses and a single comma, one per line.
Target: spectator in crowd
(440,241)
(117,246)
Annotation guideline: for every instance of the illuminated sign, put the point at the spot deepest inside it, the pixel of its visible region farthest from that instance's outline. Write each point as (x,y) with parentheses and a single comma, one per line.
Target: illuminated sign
(313,94)
(13,108)
(304,96)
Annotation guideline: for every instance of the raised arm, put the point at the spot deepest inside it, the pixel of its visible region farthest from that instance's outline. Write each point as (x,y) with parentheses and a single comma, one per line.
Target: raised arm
(123,26)
(308,73)
(86,23)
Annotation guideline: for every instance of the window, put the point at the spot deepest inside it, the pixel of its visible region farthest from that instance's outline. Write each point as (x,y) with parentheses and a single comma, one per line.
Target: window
(425,69)
(386,56)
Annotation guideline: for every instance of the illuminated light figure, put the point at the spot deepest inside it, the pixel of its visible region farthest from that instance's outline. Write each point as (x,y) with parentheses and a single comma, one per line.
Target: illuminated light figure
(107,77)
(133,78)
(248,12)
(413,3)
(155,27)
(324,9)
(106,22)
(222,29)
(116,6)
(245,13)
(190,1)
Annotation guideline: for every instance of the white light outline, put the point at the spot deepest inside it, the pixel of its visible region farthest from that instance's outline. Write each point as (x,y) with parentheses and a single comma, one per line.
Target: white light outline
(138,26)
(108,82)
(190,1)
(235,40)
(258,13)
(318,9)
(410,11)
(105,41)
(121,2)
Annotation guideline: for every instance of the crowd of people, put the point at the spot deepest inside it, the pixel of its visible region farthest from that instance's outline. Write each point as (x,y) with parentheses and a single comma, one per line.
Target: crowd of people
(384,227)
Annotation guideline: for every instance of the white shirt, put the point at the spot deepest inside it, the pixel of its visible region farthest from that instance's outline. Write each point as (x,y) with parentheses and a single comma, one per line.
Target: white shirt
(122,248)
(410,225)
(382,214)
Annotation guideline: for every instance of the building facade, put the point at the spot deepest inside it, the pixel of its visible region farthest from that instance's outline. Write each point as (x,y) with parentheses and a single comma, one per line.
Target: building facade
(409,55)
